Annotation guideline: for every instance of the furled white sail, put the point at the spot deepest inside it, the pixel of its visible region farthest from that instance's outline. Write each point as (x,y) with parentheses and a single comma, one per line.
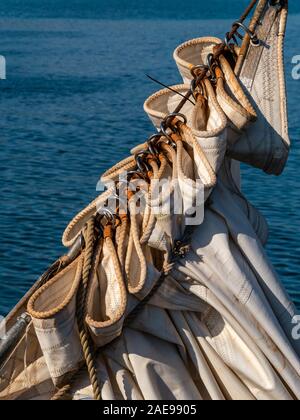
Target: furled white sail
(157,308)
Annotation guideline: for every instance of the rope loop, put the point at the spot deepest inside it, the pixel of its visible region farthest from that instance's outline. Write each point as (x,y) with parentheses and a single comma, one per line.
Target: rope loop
(171,123)
(153,144)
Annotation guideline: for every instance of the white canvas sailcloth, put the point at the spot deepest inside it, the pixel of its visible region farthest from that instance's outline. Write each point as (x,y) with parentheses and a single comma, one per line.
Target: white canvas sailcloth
(220,326)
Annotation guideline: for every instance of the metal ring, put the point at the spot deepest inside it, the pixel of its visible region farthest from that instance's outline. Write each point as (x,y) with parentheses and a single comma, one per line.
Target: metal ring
(152,148)
(254,40)
(235,40)
(104,211)
(210,59)
(227,40)
(152,143)
(174,115)
(147,153)
(165,126)
(117,197)
(171,142)
(138,173)
(129,173)
(154,137)
(166,135)
(194,86)
(120,200)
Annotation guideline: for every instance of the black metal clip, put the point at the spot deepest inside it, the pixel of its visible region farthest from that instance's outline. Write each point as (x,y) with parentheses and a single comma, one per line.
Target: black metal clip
(253,37)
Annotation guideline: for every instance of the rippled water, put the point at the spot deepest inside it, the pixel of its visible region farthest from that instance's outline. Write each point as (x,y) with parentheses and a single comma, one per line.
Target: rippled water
(72,106)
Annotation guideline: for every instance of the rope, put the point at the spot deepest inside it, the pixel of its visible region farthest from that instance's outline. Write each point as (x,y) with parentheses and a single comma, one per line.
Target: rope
(219,50)
(121,241)
(135,286)
(178,252)
(53,270)
(189,137)
(151,218)
(116,263)
(65,392)
(158,174)
(85,339)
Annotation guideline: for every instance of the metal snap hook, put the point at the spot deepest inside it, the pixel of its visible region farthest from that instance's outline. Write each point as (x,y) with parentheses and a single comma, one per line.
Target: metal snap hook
(165,125)
(152,143)
(210,61)
(167,136)
(253,37)
(106,212)
(141,164)
(195,86)
(198,67)
(135,173)
(106,217)
(229,38)
(212,64)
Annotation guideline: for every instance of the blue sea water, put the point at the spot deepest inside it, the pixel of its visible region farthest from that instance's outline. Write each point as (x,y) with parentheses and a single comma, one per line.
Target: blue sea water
(72,106)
